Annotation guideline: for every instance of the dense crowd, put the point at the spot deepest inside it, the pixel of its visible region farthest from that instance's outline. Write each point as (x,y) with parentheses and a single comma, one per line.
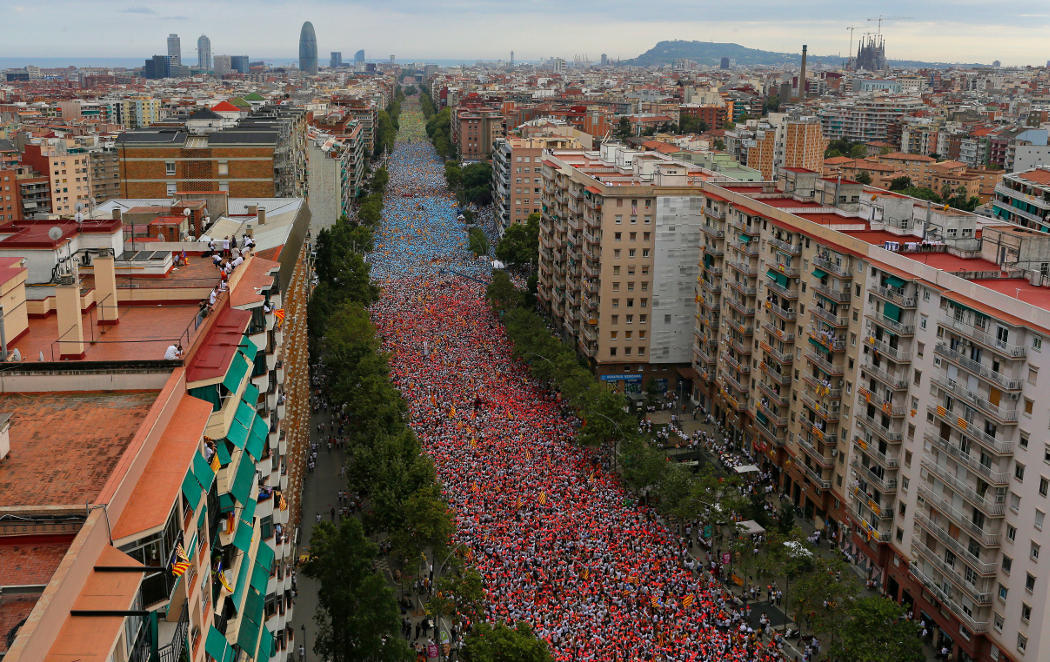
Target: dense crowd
(557,540)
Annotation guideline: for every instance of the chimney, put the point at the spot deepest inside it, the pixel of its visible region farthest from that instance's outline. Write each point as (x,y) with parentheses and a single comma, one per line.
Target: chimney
(5,435)
(70,323)
(116,214)
(106,290)
(261,214)
(802,74)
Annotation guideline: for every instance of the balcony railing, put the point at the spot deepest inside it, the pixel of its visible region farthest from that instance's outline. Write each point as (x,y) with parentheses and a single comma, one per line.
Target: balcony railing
(742,368)
(923,521)
(742,288)
(731,381)
(885,406)
(774,418)
(976,400)
(945,506)
(828,410)
(834,294)
(743,268)
(826,366)
(832,342)
(778,377)
(876,426)
(778,333)
(893,295)
(883,483)
(885,461)
(899,354)
(895,327)
(970,462)
(984,338)
(819,481)
(785,292)
(827,265)
(781,357)
(809,449)
(712,232)
(786,247)
(772,394)
(740,307)
(954,575)
(992,507)
(975,367)
(833,320)
(967,429)
(971,624)
(895,383)
(783,313)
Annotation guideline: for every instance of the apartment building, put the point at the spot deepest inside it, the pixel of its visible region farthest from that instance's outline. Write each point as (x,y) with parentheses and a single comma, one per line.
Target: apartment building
(475,128)
(121,461)
(34,190)
(10,196)
(1024,198)
(105,174)
(363,111)
(263,156)
(618,239)
(517,181)
(883,357)
(336,172)
(866,118)
(68,171)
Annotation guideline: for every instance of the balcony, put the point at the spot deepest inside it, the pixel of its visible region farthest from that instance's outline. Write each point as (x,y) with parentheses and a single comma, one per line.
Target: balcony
(891,325)
(970,462)
(778,377)
(742,267)
(963,426)
(712,232)
(774,418)
(838,295)
(868,502)
(809,449)
(768,433)
(986,568)
(885,406)
(984,338)
(894,383)
(778,333)
(742,288)
(739,307)
(786,247)
(745,228)
(993,507)
(780,357)
(876,426)
(829,341)
(945,506)
(785,314)
(716,212)
(702,357)
(883,460)
(954,575)
(731,381)
(881,483)
(840,270)
(710,287)
(897,354)
(893,295)
(785,292)
(999,379)
(714,251)
(823,364)
(771,393)
(742,368)
(827,316)
(829,410)
(815,477)
(1000,414)
(971,624)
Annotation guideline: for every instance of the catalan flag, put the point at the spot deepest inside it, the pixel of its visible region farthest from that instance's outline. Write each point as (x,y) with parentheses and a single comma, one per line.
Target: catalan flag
(214,464)
(279,314)
(543,498)
(655,601)
(180,562)
(221,576)
(688,600)
(282,503)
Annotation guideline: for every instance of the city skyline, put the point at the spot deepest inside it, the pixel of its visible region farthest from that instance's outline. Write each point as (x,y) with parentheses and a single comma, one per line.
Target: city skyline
(479,29)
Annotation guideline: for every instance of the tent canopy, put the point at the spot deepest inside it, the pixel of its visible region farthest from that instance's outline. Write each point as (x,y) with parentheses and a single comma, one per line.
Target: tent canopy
(746,468)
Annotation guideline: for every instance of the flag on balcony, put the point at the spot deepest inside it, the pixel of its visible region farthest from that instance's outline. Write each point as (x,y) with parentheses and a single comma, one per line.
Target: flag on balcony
(282,502)
(279,314)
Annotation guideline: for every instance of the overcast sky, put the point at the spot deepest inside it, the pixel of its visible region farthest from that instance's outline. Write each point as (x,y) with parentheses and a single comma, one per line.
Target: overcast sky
(933,30)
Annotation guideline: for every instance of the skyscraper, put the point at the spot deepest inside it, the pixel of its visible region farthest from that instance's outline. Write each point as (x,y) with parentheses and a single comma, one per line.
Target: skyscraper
(174,49)
(336,59)
(308,49)
(204,53)
(359,57)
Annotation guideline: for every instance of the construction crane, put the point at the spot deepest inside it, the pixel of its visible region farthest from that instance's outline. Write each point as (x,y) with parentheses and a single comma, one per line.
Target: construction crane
(880,18)
(851,28)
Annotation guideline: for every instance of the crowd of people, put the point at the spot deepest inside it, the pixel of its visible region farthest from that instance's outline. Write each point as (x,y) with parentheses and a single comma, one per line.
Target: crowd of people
(557,540)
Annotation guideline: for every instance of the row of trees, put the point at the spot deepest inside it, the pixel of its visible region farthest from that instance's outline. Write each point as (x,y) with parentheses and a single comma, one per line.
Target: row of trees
(386,130)
(472,184)
(439,125)
(956,198)
(825,596)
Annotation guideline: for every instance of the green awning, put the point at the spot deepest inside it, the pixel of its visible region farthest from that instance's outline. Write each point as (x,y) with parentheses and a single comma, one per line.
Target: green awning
(708,260)
(257,437)
(216,644)
(745,238)
(891,311)
(265,555)
(191,490)
(248,348)
(203,472)
(223,452)
(251,395)
(242,423)
(242,540)
(762,418)
(265,646)
(208,394)
(893,281)
(226,503)
(242,582)
(780,278)
(961,306)
(231,655)
(243,480)
(816,343)
(260,575)
(238,366)
(819,273)
(251,622)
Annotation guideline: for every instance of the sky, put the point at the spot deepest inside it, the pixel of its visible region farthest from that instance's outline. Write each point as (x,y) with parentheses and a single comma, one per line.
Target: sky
(931,30)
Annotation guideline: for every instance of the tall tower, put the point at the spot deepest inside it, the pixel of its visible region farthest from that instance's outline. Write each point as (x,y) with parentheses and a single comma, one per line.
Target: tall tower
(308,49)
(204,53)
(512,59)
(802,75)
(174,49)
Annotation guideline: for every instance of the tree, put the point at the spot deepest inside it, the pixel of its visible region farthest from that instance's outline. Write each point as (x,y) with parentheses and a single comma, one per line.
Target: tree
(520,244)
(459,592)
(501,292)
(499,643)
(900,183)
(823,593)
(863,177)
(478,242)
(623,129)
(773,103)
(874,629)
(357,615)
(858,151)
(719,145)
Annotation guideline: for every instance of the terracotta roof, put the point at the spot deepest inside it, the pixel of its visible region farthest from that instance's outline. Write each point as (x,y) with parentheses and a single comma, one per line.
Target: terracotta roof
(903,156)
(226,107)
(30,560)
(65,445)
(1037,176)
(258,275)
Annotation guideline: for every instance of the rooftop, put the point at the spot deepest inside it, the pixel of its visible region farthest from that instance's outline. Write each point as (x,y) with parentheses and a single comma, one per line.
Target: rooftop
(65,445)
(1037,176)
(30,560)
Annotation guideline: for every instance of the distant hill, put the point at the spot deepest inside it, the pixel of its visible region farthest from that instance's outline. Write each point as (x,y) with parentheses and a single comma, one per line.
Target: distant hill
(711,53)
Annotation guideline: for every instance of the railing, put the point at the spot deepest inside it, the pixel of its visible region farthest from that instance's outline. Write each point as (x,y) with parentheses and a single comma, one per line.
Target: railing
(702,356)
(742,368)
(737,386)
(769,434)
(832,394)
(945,506)
(954,576)
(745,228)
(740,346)
(828,409)
(828,317)
(984,338)
(826,366)
(718,234)
(898,354)
(714,251)
(833,343)
(740,307)
(894,295)
(836,295)
(777,419)
(983,567)
(976,368)
(878,428)
(807,447)
(745,269)
(781,290)
(781,357)
(885,461)
(925,580)
(965,490)
(782,313)
(963,426)
(778,398)
(710,287)
(831,267)
(896,327)
(975,399)
(885,406)
(814,476)
(970,462)
(897,384)
(778,377)
(742,288)
(714,212)
(883,483)
(172,652)
(778,333)
(786,247)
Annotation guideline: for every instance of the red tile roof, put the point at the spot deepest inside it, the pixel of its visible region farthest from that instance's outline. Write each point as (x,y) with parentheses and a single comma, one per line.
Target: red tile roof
(213,358)
(30,560)
(1037,176)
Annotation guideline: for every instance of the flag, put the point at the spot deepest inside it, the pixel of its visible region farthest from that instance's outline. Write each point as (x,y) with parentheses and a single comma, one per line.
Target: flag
(279,314)
(221,576)
(543,498)
(214,464)
(179,568)
(282,503)
(180,563)
(654,601)
(688,600)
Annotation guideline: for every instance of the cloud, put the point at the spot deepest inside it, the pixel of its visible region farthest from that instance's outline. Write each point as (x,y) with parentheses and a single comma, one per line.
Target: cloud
(138,10)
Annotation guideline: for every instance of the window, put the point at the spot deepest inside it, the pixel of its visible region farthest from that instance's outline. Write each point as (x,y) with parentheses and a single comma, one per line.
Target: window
(1002,592)
(1018,471)
(630,319)
(170,189)
(998,623)
(1044,485)
(1029,582)
(616,286)
(612,351)
(1039,517)
(617,236)
(1022,642)
(1037,343)
(1015,502)
(169,168)
(1011,532)
(1026,612)
(1033,375)
(224,168)
(1007,564)
(1028,406)
(631,252)
(1033,553)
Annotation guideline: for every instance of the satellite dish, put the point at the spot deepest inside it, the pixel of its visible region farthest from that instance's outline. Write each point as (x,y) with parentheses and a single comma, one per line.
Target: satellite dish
(186,212)
(55,233)
(79,218)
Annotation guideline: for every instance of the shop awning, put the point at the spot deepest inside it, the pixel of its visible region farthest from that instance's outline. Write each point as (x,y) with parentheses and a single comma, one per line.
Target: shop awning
(780,278)
(819,273)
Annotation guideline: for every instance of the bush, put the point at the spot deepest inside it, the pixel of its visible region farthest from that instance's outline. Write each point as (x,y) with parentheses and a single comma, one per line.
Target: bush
(478,242)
